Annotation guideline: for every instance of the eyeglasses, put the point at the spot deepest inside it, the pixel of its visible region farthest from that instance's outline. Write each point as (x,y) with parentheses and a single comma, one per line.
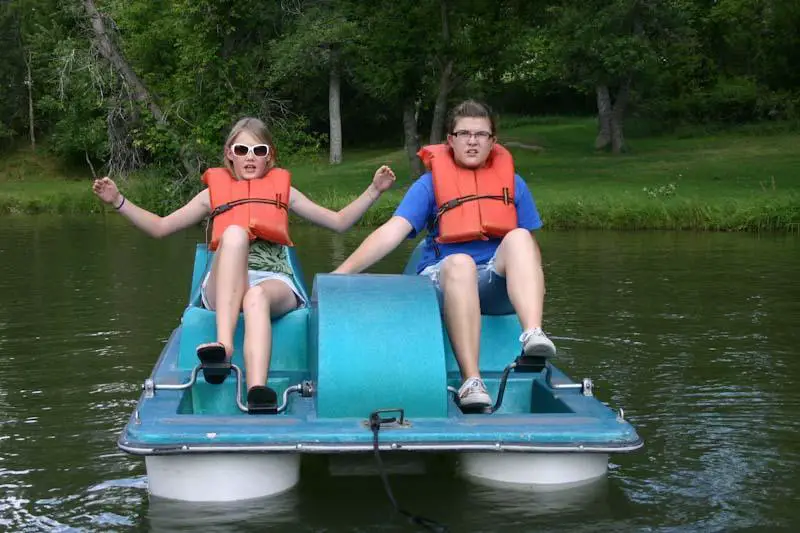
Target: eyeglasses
(259,150)
(464,135)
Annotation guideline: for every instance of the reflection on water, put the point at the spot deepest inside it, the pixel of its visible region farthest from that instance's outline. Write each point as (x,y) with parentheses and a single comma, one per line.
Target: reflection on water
(694,335)
(278,513)
(359,503)
(528,503)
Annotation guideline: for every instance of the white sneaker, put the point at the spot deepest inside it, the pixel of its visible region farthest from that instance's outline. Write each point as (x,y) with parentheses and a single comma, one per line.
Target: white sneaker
(535,343)
(473,393)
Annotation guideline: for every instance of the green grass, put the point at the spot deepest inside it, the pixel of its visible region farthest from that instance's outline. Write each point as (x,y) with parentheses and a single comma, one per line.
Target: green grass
(745,179)
(34,182)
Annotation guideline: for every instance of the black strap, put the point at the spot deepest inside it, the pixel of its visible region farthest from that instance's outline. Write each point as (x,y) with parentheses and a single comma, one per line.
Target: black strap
(506,198)
(375,422)
(222,208)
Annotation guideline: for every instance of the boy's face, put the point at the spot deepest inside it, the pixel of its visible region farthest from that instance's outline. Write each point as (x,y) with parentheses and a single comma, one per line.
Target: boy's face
(248,166)
(471,141)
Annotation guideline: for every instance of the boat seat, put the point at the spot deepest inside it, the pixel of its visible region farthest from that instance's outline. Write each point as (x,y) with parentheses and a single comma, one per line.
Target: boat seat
(289,333)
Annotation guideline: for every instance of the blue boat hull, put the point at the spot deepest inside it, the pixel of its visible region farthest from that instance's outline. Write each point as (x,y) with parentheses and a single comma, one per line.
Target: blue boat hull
(366,343)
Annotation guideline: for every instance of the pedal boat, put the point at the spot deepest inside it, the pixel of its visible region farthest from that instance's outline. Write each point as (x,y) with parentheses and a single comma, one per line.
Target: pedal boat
(367,364)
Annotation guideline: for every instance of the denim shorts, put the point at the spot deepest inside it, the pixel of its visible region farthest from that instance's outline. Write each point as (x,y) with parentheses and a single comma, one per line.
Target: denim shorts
(492,290)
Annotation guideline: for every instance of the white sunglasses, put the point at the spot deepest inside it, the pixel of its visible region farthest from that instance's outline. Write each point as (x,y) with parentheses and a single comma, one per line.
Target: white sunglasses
(259,150)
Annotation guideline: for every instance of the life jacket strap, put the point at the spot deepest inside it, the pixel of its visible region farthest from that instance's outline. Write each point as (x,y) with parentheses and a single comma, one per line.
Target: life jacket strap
(222,208)
(506,198)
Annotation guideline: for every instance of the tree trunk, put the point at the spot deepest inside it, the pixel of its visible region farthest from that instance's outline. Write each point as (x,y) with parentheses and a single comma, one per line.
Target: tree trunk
(440,108)
(618,118)
(412,137)
(190,159)
(29,85)
(114,56)
(603,139)
(334,109)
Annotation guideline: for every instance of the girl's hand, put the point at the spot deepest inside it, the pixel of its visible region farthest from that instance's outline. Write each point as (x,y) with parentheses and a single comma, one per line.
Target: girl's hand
(383,179)
(107,191)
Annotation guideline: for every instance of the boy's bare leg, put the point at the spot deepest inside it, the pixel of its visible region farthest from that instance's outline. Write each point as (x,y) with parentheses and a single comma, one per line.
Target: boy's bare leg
(519,260)
(458,279)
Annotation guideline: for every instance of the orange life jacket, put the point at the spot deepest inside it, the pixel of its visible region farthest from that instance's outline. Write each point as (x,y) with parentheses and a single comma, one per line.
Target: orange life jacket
(261,206)
(472,204)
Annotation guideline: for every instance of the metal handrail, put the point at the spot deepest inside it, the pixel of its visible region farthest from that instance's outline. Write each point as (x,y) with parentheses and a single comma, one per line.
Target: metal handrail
(585,386)
(306,388)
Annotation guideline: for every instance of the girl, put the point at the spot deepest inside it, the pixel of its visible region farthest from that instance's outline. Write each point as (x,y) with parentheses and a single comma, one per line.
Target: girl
(250,270)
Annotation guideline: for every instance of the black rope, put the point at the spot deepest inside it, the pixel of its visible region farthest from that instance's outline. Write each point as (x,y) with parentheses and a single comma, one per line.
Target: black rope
(375,422)
(502,389)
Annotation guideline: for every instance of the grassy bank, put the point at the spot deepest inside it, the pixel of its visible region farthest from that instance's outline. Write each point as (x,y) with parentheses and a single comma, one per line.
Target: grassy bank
(745,180)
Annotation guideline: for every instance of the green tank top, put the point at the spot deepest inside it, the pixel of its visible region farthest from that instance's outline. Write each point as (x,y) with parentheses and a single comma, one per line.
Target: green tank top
(269,257)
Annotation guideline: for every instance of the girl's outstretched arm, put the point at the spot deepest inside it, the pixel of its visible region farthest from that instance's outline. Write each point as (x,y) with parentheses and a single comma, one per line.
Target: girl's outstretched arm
(341,220)
(192,213)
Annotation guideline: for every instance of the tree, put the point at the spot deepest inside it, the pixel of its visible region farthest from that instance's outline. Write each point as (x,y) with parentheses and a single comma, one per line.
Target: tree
(472,55)
(312,45)
(396,41)
(22,27)
(607,46)
(11,70)
(445,65)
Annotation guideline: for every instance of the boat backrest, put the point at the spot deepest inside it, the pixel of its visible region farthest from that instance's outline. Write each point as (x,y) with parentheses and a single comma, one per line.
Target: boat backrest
(416,255)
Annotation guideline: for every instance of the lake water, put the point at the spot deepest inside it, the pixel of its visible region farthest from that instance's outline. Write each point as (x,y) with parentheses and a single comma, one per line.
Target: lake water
(695,335)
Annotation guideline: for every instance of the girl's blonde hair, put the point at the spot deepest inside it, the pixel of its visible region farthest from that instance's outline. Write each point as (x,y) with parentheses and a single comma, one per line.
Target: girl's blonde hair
(257,129)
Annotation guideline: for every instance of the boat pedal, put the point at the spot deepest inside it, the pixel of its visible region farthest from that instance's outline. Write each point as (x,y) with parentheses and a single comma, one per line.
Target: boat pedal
(530,363)
(262,401)
(475,409)
(214,363)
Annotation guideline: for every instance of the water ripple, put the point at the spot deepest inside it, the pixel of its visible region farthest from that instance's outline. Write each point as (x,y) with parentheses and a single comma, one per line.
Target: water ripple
(694,335)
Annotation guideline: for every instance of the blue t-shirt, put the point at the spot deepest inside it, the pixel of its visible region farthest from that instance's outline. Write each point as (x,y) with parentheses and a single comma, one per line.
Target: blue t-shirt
(419,208)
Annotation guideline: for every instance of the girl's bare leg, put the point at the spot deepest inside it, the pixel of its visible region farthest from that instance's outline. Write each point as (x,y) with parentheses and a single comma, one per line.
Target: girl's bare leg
(227,283)
(263,302)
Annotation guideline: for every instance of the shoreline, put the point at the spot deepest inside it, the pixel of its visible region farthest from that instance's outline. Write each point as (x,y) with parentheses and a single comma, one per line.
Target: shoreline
(736,180)
(764,213)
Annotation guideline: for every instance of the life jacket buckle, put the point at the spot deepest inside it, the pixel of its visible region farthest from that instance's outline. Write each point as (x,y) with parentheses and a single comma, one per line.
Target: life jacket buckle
(450,204)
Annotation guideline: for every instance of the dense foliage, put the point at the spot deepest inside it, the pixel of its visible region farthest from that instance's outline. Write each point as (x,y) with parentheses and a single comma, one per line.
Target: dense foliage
(131,84)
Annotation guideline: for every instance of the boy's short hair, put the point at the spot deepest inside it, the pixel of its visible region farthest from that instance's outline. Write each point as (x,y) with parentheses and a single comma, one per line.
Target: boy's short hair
(470,109)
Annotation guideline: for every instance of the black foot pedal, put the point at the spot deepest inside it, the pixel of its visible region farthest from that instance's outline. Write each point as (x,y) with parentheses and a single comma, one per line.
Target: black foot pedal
(475,409)
(216,367)
(262,401)
(530,363)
